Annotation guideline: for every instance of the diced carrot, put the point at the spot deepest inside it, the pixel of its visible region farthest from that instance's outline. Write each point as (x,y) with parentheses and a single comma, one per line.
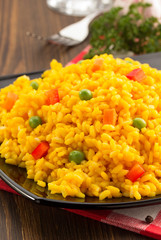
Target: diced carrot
(135,172)
(41,150)
(136,75)
(10,100)
(52,96)
(98,62)
(110,116)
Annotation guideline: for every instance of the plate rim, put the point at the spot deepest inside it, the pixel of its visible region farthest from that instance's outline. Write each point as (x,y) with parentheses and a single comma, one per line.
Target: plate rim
(75,205)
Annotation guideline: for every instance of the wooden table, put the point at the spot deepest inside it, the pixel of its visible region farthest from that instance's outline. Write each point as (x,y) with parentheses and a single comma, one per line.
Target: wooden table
(20,218)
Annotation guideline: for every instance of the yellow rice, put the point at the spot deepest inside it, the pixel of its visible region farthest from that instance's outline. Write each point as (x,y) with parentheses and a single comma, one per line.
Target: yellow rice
(72,124)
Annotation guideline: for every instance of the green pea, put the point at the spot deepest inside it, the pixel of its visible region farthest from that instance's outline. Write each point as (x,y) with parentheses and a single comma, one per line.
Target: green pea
(129,62)
(76,156)
(139,123)
(85,94)
(34,85)
(35,121)
(79,62)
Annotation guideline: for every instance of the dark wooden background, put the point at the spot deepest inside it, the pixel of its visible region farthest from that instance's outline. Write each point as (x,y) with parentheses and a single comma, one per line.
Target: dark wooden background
(19,217)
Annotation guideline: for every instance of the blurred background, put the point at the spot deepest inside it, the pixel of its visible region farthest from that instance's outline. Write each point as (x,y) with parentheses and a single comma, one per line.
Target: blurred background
(20,53)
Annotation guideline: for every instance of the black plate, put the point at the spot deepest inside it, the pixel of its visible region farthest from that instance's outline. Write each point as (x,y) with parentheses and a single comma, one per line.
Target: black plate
(16,177)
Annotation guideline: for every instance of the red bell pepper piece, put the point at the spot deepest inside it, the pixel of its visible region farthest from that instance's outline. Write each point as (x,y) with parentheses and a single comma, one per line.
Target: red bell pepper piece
(10,100)
(135,172)
(110,116)
(41,150)
(136,75)
(52,96)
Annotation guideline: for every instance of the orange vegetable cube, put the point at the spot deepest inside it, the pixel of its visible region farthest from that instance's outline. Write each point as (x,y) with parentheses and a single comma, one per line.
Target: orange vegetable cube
(110,116)
(10,100)
(52,96)
(98,63)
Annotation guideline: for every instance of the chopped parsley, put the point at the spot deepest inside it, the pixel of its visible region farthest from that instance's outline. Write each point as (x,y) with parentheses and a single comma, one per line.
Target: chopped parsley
(114,32)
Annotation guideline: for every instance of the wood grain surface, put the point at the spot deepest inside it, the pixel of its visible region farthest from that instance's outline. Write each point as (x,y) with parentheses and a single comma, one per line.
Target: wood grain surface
(20,218)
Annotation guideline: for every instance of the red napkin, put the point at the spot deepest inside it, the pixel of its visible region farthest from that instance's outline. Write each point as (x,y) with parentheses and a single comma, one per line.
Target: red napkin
(132,219)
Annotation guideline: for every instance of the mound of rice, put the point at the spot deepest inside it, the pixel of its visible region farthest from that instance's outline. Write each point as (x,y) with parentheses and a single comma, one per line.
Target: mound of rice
(111,150)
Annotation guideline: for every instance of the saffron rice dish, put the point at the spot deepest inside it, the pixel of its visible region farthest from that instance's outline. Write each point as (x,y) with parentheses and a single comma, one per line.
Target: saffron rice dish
(87,129)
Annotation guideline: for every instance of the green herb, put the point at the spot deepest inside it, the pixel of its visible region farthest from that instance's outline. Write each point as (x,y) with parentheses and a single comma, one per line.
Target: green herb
(114,32)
